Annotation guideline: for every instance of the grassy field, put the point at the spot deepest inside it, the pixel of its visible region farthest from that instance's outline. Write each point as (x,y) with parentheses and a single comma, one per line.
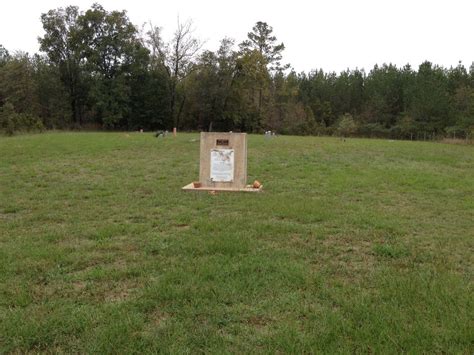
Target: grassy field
(356,246)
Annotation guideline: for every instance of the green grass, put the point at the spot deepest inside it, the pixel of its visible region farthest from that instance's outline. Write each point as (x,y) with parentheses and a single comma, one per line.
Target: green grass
(356,246)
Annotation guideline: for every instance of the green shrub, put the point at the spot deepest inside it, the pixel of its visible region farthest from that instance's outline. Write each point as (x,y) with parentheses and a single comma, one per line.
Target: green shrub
(346,125)
(11,121)
(373,130)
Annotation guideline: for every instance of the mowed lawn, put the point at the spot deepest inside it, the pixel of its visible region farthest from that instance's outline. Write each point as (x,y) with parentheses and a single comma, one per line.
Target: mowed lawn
(354,246)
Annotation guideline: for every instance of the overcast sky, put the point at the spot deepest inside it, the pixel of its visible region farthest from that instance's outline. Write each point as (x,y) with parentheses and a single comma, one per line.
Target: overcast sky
(331,34)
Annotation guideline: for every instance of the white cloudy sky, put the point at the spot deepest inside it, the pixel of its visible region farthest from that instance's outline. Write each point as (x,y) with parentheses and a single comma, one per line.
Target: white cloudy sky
(330,34)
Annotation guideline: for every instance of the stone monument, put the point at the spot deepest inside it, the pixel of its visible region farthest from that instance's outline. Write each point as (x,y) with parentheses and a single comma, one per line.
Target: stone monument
(223,163)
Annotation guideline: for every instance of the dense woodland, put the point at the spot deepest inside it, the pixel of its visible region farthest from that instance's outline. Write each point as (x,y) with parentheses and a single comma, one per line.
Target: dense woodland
(97,70)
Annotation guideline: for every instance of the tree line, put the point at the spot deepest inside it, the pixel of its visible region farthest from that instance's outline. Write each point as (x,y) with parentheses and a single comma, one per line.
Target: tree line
(97,70)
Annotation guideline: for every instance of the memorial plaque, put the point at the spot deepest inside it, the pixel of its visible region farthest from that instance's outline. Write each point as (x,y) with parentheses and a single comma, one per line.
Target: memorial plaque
(223,160)
(222,142)
(222,165)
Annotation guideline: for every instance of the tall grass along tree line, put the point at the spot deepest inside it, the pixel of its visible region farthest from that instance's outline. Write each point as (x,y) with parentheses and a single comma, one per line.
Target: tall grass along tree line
(98,70)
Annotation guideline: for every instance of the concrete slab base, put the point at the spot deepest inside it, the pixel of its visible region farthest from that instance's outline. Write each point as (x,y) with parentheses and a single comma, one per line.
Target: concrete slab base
(248,188)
